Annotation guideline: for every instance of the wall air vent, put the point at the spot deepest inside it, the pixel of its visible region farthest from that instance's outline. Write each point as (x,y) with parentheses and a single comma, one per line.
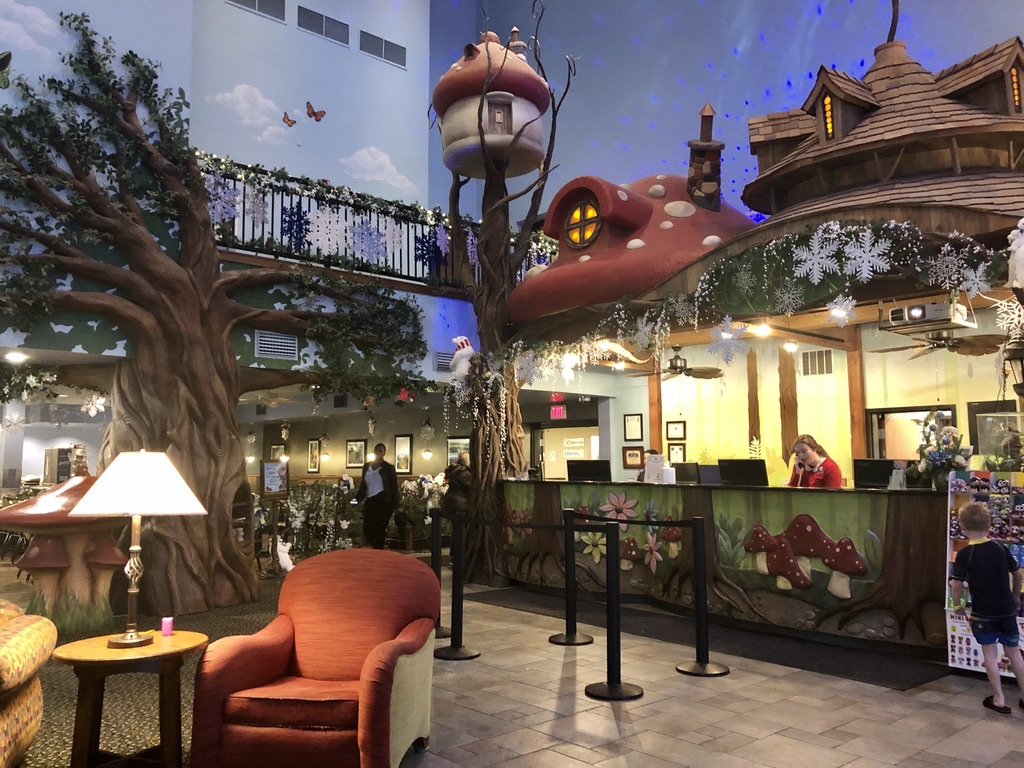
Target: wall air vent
(443,361)
(277,346)
(816,363)
(341,401)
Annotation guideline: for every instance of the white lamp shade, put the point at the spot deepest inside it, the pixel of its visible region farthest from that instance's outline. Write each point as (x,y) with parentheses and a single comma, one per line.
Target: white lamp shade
(139,483)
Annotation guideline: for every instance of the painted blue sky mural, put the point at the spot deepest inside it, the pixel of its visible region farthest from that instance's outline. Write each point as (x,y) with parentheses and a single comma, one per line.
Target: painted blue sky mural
(645,68)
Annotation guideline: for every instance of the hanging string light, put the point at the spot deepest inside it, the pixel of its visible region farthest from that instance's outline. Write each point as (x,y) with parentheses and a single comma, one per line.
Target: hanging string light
(427,430)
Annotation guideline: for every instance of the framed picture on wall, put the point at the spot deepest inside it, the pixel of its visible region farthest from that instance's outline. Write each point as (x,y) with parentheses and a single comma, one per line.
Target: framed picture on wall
(633,426)
(677,453)
(403,454)
(632,457)
(276,452)
(675,430)
(355,453)
(313,457)
(274,479)
(457,445)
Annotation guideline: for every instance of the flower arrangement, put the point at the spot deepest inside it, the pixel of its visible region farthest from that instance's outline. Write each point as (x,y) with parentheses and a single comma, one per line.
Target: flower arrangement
(320,518)
(939,451)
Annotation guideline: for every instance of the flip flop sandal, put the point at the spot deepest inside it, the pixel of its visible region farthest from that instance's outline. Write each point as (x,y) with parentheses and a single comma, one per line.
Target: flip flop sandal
(1003,710)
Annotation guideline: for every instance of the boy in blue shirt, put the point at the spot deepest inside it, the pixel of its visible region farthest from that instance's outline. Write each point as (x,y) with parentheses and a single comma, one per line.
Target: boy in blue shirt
(986,568)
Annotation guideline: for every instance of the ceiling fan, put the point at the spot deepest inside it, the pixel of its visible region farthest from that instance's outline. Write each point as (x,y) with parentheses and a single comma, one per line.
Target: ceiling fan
(980,344)
(677,366)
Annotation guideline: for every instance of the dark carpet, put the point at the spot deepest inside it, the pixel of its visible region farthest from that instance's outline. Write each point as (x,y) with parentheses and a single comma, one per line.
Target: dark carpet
(130,703)
(885,669)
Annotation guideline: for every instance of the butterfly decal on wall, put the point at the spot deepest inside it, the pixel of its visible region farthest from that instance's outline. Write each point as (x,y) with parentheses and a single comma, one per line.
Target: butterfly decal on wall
(287,120)
(5,69)
(316,114)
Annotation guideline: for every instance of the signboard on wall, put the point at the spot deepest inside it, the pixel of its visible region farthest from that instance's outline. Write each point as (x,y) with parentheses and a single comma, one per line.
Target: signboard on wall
(558,412)
(572,453)
(573,442)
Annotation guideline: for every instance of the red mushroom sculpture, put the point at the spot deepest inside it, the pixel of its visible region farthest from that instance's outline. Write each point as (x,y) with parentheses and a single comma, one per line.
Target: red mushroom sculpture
(46,559)
(77,602)
(629,553)
(843,559)
(783,566)
(760,544)
(672,535)
(808,541)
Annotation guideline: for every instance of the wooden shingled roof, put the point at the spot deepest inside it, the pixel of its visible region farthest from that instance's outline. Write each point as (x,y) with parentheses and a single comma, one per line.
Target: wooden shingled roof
(902,107)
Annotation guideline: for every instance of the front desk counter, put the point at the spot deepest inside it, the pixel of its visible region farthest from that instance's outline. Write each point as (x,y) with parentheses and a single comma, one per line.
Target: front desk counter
(845,564)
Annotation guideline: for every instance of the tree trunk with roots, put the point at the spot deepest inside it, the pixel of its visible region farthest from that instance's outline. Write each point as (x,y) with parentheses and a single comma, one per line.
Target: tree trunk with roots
(185,408)
(496,444)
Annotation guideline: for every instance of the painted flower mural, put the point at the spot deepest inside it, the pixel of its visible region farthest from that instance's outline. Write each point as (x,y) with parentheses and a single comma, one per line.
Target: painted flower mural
(652,555)
(620,508)
(595,545)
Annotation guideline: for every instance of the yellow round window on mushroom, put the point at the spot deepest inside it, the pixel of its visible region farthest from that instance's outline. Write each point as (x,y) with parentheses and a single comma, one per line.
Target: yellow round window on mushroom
(582,224)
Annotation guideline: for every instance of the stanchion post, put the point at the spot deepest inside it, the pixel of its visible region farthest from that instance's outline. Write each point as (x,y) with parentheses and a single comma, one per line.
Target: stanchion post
(435,563)
(702,667)
(613,689)
(457,651)
(571,636)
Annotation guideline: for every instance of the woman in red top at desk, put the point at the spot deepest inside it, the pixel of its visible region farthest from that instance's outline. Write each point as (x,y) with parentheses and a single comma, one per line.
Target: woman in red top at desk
(813,468)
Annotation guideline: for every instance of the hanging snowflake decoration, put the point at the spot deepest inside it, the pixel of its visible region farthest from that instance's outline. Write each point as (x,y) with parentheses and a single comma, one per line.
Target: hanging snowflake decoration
(255,203)
(744,279)
(327,231)
(371,425)
(94,405)
(441,235)
(426,252)
(646,331)
(789,298)
(841,310)
(527,366)
(295,226)
(682,309)
(223,199)
(368,243)
(1010,317)
(866,256)
(394,237)
(973,281)
(818,257)
(947,267)
(727,342)
(471,254)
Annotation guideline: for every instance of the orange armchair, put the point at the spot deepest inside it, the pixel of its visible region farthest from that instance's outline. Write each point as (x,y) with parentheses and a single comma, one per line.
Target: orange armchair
(341,677)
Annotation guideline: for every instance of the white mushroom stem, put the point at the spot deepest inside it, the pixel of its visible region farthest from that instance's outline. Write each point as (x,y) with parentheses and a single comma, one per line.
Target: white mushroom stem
(839,585)
(47,581)
(805,564)
(783,583)
(761,562)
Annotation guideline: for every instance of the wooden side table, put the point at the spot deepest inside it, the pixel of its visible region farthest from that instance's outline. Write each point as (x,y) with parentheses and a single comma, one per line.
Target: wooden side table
(93,662)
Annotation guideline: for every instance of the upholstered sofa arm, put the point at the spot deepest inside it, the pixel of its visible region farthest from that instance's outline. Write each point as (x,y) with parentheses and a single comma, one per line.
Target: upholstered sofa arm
(26,642)
(397,672)
(9,610)
(234,664)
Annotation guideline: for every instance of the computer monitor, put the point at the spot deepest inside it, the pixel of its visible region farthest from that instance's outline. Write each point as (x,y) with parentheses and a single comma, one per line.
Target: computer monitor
(743,472)
(686,472)
(873,473)
(581,470)
(709,474)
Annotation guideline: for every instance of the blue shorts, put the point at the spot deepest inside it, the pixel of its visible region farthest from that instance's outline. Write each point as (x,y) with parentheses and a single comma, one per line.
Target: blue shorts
(1003,630)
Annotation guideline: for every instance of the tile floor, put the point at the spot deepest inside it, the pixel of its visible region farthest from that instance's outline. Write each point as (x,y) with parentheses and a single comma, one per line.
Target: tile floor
(521,704)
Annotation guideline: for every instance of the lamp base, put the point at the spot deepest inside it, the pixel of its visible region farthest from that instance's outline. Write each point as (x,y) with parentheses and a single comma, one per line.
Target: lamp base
(130,639)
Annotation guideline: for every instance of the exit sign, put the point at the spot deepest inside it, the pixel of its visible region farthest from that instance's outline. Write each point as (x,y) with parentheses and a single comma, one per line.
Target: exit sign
(557,411)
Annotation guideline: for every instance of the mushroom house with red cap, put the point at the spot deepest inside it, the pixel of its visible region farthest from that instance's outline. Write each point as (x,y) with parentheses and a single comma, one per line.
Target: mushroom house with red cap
(514,99)
(624,240)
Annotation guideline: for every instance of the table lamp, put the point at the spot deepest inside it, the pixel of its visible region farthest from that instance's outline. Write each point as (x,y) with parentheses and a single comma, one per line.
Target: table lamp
(136,484)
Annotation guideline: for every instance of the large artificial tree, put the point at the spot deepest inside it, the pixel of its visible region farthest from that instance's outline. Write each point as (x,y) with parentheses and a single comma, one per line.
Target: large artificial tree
(104,211)
(496,444)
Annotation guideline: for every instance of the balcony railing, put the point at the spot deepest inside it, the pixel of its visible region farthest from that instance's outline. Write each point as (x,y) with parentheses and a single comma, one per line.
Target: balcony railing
(299,219)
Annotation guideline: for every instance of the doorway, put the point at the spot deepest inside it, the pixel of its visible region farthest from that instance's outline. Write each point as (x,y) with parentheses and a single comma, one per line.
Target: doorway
(554,445)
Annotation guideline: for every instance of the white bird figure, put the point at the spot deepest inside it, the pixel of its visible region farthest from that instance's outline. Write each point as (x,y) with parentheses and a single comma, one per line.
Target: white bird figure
(460,360)
(283,557)
(1016,238)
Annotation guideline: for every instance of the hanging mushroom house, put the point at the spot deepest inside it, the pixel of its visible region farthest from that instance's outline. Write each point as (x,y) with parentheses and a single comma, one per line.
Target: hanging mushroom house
(71,559)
